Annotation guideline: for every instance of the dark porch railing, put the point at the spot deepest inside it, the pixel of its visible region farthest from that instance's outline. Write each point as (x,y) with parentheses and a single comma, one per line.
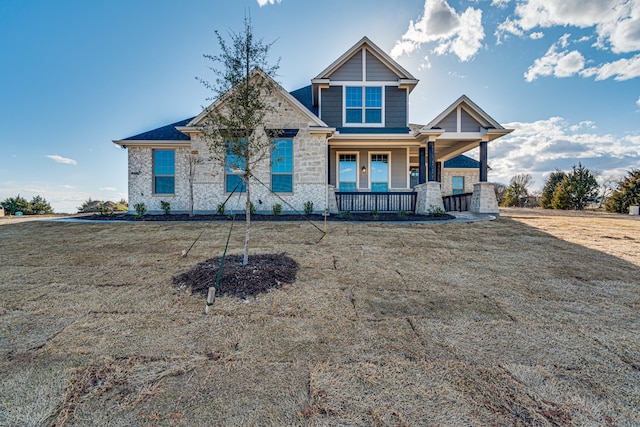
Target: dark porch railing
(376,201)
(457,202)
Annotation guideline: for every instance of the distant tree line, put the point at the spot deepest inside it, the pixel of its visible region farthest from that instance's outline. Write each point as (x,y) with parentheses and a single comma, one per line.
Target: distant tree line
(37,206)
(575,189)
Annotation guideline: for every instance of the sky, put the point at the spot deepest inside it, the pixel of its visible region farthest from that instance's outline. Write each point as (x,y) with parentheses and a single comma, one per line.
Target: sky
(77,74)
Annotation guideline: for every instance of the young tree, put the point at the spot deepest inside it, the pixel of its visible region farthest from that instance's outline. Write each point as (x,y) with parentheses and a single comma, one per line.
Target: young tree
(234,128)
(555,178)
(517,192)
(499,189)
(561,197)
(192,162)
(577,189)
(627,194)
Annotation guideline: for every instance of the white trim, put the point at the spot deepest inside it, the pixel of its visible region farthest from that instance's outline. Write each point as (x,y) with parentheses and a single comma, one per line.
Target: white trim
(408,166)
(160,144)
(364,64)
(338,153)
(363,83)
(458,119)
(369,176)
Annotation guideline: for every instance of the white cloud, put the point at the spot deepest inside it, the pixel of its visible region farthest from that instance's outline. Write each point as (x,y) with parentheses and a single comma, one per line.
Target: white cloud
(460,35)
(537,35)
(616,22)
(638,102)
(108,189)
(545,145)
(262,3)
(622,69)
(60,159)
(558,64)
(500,3)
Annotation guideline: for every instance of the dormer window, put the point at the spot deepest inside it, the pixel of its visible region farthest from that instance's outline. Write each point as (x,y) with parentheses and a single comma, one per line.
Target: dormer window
(363,105)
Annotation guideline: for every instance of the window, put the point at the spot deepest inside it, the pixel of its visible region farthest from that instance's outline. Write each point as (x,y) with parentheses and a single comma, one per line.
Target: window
(282,166)
(235,168)
(370,98)
(347,172)
(457,184)
(380,172)
(164,167)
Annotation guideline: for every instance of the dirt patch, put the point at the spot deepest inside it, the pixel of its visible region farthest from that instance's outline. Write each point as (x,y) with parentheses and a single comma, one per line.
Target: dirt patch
(263,273)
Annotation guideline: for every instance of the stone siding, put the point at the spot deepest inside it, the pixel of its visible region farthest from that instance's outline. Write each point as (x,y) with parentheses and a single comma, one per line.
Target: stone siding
(471,177)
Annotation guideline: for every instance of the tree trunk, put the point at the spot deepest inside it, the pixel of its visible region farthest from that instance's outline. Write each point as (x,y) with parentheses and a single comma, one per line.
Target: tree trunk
(245,258)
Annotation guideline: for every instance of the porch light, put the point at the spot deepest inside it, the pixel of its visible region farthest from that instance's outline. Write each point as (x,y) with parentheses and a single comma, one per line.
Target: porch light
(363,170)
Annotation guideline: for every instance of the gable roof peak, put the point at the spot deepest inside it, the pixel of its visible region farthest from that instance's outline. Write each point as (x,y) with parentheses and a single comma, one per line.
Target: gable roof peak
(381,55)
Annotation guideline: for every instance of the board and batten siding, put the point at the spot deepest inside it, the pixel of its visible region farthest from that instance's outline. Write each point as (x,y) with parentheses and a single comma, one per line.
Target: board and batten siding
(377,71)
(449,123)
(399,170)
(468,123)
(331,106)
(350,70)
(395,115)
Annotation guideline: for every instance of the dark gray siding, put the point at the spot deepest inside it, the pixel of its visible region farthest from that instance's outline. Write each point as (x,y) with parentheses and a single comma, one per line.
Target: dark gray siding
(468,123)
(449,123)
(331,106)
(396,107)
(350,70)
(377,71)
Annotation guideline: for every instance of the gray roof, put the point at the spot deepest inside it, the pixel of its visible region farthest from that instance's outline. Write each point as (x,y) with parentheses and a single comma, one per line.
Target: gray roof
(303,95)
(462,162)
(164,133)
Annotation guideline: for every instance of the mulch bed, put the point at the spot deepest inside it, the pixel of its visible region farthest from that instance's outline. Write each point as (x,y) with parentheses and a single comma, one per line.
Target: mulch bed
(383,216)
(262,273)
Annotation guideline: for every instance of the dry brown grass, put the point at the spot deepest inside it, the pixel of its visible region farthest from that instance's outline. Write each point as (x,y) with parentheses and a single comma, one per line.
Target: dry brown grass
(532,319)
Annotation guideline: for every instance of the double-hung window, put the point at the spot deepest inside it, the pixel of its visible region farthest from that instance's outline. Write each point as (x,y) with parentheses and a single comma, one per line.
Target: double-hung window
(235,166)
(457,184)
(363,104)
(164,168)
(282,166)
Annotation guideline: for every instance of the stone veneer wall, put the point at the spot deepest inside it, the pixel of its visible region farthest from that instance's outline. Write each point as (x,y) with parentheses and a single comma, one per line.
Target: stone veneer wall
(309,173)
(429,196)
(471,177)
(484,199)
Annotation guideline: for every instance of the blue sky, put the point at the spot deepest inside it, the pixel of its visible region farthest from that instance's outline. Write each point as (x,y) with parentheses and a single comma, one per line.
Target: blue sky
(78,74)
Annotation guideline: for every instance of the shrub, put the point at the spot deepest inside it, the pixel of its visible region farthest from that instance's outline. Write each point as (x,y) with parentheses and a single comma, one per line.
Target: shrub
(402,214)
(435,211)
(375,214)
(344,214)
(308,207)
(220,209)
(166,207)
(252,208)
(141,209)
(276,209)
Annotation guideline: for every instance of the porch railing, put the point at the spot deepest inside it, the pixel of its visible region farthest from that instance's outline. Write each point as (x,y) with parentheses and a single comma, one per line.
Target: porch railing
(378,201)
(457,202)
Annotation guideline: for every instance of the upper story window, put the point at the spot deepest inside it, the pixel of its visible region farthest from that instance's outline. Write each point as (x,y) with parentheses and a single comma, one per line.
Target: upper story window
(164,167)
(363,105)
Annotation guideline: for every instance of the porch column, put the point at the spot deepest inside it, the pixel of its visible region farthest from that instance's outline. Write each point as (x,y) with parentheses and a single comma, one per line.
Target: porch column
(431,148)
(422,165)
(483,161)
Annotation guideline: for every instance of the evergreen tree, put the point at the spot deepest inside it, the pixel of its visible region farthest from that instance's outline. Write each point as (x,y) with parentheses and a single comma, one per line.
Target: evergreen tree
(517,193)
(577,189)
(627,194)
(555,178)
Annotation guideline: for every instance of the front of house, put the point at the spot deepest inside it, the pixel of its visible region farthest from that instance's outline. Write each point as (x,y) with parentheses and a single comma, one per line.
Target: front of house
(345,144)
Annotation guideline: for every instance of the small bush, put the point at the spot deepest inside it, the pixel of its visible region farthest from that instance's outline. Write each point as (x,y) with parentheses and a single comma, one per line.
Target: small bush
(308,207)
(220,209)
(435,211)
(104,209)
(344,214)
(166,207)
(276,209)
(252,208)
(141,209)
(375,214)
(402,214)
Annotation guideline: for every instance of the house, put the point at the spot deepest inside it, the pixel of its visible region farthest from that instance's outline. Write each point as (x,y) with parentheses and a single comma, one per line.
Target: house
(346,145)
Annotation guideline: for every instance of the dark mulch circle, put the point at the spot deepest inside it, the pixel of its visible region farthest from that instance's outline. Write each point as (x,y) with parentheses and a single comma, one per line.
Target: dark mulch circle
(263,273)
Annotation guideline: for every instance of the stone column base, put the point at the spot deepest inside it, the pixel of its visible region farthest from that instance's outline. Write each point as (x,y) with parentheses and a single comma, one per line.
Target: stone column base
(429,197)
(332,203)
(484,199)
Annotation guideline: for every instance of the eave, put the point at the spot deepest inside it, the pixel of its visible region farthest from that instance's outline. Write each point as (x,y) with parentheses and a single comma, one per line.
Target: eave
(124,143)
